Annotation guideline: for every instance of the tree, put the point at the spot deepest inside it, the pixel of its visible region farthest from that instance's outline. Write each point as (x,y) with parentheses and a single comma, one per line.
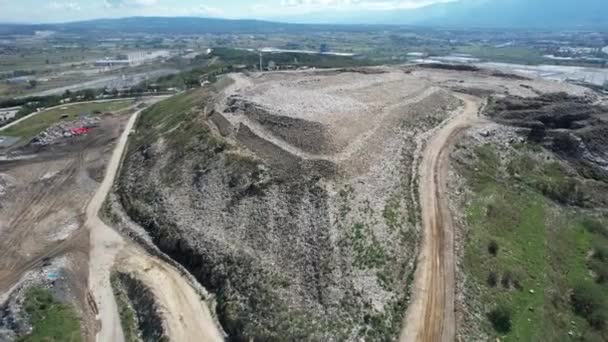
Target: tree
(500,318)
(89,95)
(493,248)
(33,83)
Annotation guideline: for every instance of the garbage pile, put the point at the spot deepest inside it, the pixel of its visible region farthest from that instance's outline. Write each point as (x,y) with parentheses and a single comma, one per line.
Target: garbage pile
(64,130)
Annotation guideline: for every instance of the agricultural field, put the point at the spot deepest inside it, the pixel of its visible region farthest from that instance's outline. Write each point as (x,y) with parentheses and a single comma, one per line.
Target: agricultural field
(47,59)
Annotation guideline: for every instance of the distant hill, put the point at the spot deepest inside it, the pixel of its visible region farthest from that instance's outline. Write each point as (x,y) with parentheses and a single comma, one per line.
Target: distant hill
(535,14)
(174,25)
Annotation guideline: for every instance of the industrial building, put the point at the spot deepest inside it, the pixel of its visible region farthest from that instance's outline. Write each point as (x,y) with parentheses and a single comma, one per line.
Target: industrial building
(131,58)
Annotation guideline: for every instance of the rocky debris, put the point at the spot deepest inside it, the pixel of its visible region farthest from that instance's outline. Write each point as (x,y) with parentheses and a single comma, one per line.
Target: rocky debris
(14,321)
(573,127)
(501,74)
(479,92)
(4,184)
(445,66)
(140,299)
(64,130)
(310,136)
(551,111)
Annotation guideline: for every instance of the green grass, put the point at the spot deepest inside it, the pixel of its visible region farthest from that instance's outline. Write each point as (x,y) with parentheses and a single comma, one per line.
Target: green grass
(516,223)
(29,128)
(4,89)
(541,245)
(168,113)
(368,250)
(50,319)
(391,213)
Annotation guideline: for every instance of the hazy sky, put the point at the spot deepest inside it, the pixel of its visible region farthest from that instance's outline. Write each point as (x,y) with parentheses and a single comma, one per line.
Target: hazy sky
(69,10)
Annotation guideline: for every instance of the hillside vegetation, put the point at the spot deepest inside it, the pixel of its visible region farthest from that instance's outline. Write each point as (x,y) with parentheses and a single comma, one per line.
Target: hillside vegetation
(536,230)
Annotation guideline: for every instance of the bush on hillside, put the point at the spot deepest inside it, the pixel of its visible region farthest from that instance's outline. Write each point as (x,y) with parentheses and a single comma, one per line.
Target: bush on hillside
(588,301)
(492,279)
(493,248)
(595,227)
(500,317)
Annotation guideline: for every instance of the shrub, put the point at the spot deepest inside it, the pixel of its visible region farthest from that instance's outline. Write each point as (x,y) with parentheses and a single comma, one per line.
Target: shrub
(595,227)
(588,301)
(600,268)
(600,251)
(599,262)
(500,318)
(493,248)
(507,279)
(492,279)
(565,191)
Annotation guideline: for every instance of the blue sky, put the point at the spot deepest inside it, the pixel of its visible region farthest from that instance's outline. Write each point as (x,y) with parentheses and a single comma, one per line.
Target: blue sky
(31,11)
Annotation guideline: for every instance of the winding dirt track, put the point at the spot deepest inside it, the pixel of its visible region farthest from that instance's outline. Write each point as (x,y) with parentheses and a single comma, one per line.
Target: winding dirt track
(430,316)
(185,316)
(105,245)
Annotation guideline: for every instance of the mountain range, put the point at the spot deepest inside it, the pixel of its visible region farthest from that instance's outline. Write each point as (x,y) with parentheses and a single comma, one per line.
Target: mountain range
(519,14)
(536,14)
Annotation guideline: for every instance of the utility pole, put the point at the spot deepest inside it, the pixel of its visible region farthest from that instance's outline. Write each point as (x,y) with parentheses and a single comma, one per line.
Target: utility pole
(261,67)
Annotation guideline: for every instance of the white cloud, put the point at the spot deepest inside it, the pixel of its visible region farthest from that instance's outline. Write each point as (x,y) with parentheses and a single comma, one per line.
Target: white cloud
(308,6)
(145,2)
(207,11)
(130,3)
(64,6)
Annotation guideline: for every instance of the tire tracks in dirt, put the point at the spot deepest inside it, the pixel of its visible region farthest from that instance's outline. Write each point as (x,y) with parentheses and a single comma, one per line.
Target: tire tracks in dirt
(47,198)
(430,315)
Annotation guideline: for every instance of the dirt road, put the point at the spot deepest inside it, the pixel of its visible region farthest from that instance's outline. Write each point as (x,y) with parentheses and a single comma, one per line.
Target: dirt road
(105,245)
(430,316)
(185,315)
